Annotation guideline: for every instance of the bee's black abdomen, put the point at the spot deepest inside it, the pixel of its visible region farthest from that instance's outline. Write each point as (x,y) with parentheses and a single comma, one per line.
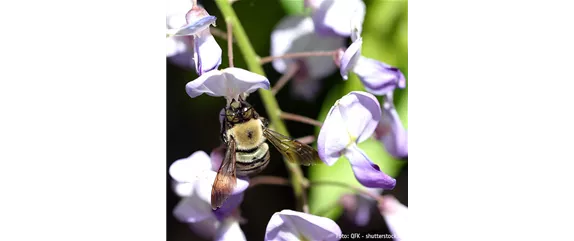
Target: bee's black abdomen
(252,168)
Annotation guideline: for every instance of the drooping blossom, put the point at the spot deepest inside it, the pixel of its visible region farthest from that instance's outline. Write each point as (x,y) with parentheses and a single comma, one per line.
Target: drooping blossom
(336,17)
(197,174)
(228,83)
(179,48)
(290,225)
(190,33)
(396,217)
(377,77)
(294,34)
(358,206)
(350,121)
(391,131)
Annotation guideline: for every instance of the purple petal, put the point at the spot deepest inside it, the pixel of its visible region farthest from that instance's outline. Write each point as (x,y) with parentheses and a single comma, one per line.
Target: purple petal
(305,89)
(228,206)
(230,83)
(361,113)
(296,34)
(350,58)
(396,216)
(363,212)
(391,132)
(333,137)
(229,230)
(357,208)
(314,4)
(196,27)
(206,228)
(292,225)
(337,17)
(216,156)
(379,78)
(186,169)
(207,54)
(368,173)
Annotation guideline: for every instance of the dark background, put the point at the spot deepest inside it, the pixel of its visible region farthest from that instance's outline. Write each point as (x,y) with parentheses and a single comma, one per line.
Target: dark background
(192,125)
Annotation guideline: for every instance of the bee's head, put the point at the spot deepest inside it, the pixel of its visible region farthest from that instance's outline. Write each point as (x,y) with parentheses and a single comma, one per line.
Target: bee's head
(239,111)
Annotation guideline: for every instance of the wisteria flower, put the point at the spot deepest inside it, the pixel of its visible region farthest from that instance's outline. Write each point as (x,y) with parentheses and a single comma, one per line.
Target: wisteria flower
(198,174)
(336,17)
(377,77)
(290,225)
(206,51)
(395,214)
(358,206)
(179,48)
(294,34)
(228,83)
(391,131)
(351,121)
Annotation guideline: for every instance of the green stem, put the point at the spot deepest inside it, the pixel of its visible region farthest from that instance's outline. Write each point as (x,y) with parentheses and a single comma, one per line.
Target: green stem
(269,101)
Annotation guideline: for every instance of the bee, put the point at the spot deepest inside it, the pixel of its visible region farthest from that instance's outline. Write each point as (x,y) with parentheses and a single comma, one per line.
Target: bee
(245,133)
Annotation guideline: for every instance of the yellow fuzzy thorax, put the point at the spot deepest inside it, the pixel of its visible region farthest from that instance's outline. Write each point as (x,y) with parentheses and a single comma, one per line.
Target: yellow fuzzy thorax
(247,135)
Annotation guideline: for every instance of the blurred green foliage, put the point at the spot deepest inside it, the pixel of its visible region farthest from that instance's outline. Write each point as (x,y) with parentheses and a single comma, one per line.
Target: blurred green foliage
(385,39)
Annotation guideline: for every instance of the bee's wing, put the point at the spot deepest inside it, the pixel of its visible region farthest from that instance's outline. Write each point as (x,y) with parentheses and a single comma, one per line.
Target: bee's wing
(225,179)
(293,150)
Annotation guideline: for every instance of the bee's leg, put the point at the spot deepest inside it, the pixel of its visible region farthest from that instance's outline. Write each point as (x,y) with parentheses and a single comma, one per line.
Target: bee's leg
(264,121)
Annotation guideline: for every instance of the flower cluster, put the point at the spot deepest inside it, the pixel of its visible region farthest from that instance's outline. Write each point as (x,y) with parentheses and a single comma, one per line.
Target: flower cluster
(354,118)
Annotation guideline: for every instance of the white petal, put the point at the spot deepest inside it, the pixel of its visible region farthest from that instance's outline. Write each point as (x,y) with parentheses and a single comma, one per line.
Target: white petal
(396,216)
(342,15)
(229,230)
(229,83)
(350,57)
(322,66)
(187,169)
(333,137)
(194,208)
(175,46)
(296,34)
(206,228)
(207,54)
(292,225)
(286,36)
(361,112)
(183,189)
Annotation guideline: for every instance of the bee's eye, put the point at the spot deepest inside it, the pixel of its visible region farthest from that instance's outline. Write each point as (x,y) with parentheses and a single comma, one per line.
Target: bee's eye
(230,115)
(247,112)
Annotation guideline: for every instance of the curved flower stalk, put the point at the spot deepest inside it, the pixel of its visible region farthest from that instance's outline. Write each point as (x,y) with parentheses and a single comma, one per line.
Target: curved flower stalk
(336,17)
(194,176)
(351,121)
(206,51)
(229,83)
(291,225)
(396,216)
(295,34)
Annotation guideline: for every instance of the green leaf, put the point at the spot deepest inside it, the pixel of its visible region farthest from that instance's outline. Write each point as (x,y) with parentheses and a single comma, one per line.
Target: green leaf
(293,7)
